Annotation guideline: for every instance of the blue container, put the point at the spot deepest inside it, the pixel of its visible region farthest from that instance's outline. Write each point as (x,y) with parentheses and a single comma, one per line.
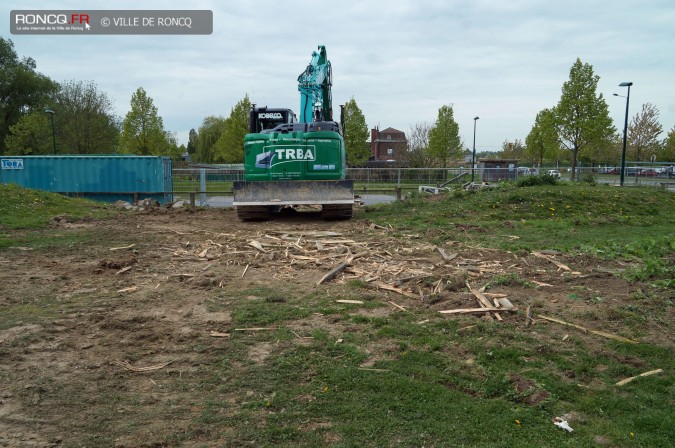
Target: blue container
(105,178)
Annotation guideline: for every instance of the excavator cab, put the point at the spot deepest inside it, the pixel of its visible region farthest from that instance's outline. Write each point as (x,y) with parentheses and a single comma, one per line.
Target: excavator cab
(263,120)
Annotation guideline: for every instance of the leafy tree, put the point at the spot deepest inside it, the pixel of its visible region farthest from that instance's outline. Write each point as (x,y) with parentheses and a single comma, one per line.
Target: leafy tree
(643,133)
(513,150)
(208,135)
(542,141)
(418,155)
(192,142)
(85,119)
(581,117)
(667,152)
(22,89)
(230,145)
(355,134)
(143,130)
(444,141)
(31,135)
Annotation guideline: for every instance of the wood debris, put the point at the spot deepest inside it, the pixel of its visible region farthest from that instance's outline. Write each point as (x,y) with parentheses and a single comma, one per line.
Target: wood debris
(552,260)
(123,247)
(628,380)
(475,310)
(588,330)
(130,289)
(125,365)
(123,270)
(354,302)
(218,334)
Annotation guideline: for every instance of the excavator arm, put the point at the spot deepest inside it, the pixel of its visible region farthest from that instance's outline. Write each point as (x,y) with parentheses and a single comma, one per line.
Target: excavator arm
(315,85)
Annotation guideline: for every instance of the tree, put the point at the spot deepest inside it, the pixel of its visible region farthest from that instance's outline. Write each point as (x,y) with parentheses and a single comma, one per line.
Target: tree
(444,141)
(542,141)
(418,155)
(143,130)
(207,136)
(355,134)
(230,145)
(85,119)
(192,142)
(512,150)
(643,133)
(22,89)
(581,117)
(667,153)
(31,135)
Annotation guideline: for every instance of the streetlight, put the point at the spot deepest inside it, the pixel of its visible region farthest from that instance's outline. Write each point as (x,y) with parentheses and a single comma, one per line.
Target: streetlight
(625,132)
(51,112)
(473,158)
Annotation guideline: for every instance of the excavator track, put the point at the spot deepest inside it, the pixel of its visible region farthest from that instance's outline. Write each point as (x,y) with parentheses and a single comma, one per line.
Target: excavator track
(253,212)
(336,211)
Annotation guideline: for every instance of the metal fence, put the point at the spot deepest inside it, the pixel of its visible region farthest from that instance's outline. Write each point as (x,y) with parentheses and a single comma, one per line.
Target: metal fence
(213,186)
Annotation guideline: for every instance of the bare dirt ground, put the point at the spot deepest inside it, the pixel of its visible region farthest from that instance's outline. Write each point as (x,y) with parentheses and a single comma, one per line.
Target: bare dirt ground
(150,288)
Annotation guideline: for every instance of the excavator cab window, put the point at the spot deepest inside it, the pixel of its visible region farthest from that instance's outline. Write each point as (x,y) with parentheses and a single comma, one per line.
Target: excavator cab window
(265,119)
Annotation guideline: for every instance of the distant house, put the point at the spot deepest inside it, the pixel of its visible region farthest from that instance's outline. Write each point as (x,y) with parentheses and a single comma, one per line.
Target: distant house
(388,145)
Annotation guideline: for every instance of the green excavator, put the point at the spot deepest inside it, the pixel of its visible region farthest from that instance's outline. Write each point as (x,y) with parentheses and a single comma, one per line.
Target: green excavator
(290,162)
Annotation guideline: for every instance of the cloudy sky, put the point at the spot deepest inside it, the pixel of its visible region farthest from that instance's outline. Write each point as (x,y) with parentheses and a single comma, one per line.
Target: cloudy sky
(501,60)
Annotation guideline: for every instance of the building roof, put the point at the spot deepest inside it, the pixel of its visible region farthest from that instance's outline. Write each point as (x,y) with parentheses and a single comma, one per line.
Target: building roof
(391,131)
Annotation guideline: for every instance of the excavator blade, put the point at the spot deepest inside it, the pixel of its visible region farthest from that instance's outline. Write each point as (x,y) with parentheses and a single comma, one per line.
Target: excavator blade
(335,197)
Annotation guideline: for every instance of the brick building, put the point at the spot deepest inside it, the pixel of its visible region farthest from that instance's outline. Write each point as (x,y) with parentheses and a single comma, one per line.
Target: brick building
(388,145)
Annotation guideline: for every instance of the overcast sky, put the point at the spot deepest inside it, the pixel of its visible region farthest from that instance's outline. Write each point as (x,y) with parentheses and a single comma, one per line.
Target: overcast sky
(501,60)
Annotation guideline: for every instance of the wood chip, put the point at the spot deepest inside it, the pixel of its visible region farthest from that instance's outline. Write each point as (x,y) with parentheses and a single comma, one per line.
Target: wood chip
(397,305)
(373,370)
(355,302)
(256,329)
(217,334)
(123,247)
(445,256)
(628,380)
(542,284)
(130,289)
(245,269)
(123,270)
(579,327)
(257,245)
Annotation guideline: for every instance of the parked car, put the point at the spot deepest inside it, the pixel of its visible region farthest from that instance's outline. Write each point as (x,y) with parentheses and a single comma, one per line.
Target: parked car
(613,171)
(554,173)
(648,173)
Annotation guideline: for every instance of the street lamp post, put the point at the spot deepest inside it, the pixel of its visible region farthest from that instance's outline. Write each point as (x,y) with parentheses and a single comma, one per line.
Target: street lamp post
(473,158)
(51,112)
(625,132)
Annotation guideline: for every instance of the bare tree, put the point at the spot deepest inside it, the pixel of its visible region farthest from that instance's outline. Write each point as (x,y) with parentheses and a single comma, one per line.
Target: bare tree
(643,133)
(418,155)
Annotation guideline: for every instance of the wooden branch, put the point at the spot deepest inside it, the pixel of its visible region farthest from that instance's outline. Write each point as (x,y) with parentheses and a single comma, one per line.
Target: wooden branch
(245,269)
(353,302)
(124,247)
(127,366)
(579,327)
(397,306)
(628,380)
(555,262)
(123,270)
(256,329)
(333,272)
(475,310)
(394,289)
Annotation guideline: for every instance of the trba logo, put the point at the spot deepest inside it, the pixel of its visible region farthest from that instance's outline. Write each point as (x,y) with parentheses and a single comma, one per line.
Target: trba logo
(278,156)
